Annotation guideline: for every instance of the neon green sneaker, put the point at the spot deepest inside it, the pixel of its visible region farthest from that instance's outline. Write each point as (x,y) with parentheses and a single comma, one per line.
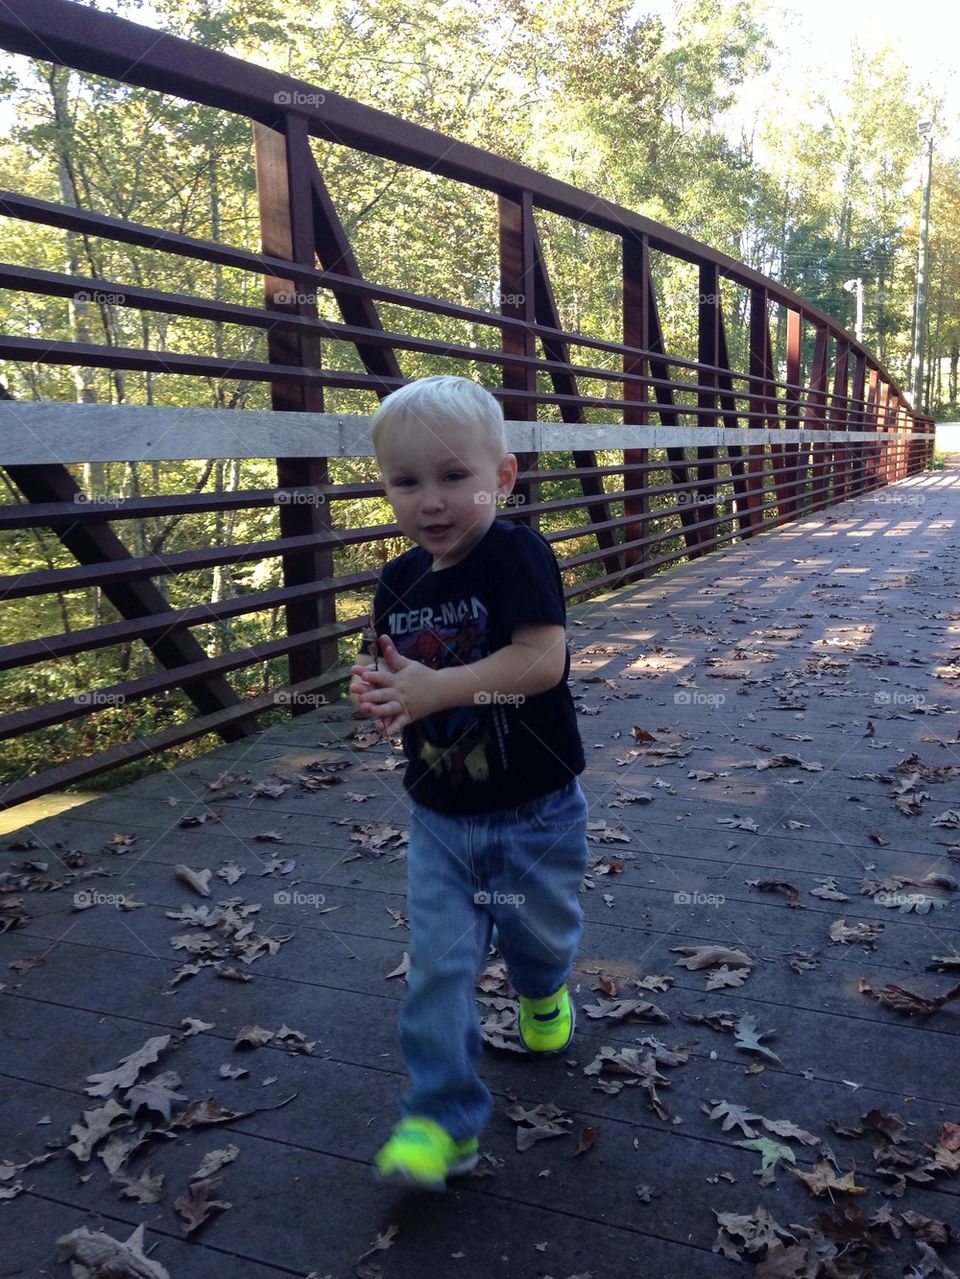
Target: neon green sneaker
(422,1154)
(546,1025)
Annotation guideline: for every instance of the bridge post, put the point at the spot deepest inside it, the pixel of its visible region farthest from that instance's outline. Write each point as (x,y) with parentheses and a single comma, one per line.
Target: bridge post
(518,300)
(792,480)
(760,373)
(708,353)
(636,334)
(838,420)
(284,163)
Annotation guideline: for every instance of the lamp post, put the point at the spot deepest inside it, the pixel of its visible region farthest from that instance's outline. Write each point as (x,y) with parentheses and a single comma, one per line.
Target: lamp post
(925,129)
(857,286)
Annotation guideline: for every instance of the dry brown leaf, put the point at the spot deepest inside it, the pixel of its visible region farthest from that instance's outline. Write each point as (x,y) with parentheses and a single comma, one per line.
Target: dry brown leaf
(156,1094)
(252,1036)
(199,1113)
(402,968)
(864,933)
(543,1121)
(94,1125)
(108,1258)
(824,1178)
(908,1001)
(722,977)
(828,890)
(126,1073)
(710,957)
(199,880)
(626,1010)
(214,1160)
(196,1205)
(585,1141)
(147,1188)
(777,886)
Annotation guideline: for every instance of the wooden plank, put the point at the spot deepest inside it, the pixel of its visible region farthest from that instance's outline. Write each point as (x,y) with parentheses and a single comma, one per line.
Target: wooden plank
(38,433)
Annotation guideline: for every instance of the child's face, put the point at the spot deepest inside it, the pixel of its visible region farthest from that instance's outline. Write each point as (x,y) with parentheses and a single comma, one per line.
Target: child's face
(442,482)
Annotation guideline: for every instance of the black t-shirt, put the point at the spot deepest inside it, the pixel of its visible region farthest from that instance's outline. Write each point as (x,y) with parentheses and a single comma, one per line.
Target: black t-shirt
(476,758)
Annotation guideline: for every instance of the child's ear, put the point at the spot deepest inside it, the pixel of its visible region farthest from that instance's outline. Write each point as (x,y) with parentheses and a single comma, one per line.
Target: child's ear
(508,469)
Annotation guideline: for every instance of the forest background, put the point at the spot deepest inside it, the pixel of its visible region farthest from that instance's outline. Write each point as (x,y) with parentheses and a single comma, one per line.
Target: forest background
(673,110)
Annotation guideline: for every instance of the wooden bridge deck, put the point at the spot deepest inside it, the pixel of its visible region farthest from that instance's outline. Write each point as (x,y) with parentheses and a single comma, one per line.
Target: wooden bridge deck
(835,641)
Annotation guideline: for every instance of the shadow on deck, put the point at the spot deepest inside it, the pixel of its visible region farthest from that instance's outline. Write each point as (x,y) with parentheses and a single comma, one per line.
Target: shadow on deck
(802,694)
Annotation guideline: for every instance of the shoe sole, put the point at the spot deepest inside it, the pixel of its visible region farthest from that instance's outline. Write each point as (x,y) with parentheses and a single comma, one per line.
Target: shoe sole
(551,1052)
(397,1177)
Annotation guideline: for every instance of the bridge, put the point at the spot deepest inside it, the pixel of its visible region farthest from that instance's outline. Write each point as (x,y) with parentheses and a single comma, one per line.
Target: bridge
(762,607)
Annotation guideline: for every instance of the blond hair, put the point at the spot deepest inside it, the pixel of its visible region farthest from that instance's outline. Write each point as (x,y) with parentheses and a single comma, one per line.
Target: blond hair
(436,401)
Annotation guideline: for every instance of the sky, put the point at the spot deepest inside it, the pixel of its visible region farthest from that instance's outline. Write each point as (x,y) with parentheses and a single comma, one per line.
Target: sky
(815,38)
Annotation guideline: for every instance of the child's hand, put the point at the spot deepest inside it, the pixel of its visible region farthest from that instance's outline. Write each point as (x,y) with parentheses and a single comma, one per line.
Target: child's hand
(358,688)
(398,693)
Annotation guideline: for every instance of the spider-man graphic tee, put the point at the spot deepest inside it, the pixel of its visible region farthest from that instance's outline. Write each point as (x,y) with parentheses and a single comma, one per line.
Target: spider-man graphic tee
(502,751)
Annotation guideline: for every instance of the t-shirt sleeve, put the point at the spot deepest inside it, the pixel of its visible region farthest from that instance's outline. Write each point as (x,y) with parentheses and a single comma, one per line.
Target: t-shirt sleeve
(532,587)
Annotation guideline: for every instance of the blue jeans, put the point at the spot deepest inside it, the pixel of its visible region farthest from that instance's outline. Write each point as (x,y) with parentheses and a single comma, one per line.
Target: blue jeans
(519,868)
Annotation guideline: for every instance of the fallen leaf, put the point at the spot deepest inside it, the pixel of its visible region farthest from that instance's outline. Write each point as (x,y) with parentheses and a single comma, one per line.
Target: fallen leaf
(156,1094)
(95,1125)
(108,1258)
(824,1178)
(828,890)
(732,1116)
(213,1161)
(199,881)
(749,1037)
(402,969)
(771,1153)
(252,1036)
(778,886)
(710,957)
(537,1123)
(585,1141)
(864,933)
(741,1233)
(908,1001)
(126,1073)
(196,1205)
(147,1188)
(724,976)
(384,1240)
(625,1010)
